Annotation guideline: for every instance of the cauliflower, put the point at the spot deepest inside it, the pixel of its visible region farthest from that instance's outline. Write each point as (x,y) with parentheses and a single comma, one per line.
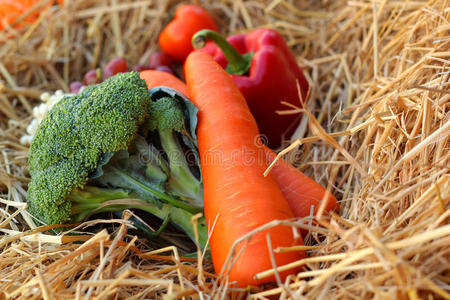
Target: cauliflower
(39,112)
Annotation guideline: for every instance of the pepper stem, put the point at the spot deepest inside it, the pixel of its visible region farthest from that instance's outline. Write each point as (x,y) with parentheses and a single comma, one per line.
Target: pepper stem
(238,64)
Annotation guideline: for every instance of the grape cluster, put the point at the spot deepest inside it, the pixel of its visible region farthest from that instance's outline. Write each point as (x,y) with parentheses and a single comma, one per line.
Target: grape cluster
(158,61)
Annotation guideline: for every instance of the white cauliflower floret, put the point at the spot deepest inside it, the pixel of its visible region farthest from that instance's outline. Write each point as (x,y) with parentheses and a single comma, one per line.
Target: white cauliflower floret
(39,113)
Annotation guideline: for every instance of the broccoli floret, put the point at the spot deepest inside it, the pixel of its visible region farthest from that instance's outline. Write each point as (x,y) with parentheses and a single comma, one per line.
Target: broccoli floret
(166,115)
(75,134)
(168,119)
(91,154)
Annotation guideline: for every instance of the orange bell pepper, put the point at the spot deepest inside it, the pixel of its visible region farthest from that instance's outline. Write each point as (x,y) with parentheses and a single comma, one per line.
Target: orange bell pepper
(11,10)
(175,39)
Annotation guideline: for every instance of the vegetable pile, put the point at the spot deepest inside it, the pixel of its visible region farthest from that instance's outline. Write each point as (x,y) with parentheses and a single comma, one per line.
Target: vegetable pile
(129,140)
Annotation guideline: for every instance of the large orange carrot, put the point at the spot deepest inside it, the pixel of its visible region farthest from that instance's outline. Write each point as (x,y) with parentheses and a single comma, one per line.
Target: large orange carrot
(300,191)
(238,198)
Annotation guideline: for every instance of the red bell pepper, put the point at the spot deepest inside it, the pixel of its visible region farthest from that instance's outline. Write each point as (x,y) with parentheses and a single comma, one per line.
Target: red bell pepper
(266,72)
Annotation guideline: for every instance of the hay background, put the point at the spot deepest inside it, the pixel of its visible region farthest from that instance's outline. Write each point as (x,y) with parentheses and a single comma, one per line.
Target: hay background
(378,136)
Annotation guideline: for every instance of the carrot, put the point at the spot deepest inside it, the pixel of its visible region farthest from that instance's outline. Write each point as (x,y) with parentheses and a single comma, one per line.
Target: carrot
(158,78)
(300,191)
(238,198)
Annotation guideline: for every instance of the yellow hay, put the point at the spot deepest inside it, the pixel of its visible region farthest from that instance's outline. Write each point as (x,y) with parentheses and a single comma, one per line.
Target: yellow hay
(375,132)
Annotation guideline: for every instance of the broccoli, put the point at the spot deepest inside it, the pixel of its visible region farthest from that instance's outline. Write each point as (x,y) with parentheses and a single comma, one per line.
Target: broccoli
(115,146)
(167,117)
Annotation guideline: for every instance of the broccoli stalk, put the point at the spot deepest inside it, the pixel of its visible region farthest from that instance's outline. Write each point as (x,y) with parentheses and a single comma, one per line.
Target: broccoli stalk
(92,154)
(167,118)
(94,200)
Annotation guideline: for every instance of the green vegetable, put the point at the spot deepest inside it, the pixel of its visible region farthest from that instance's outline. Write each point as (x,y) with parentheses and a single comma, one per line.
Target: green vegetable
(167,118)
(110,148)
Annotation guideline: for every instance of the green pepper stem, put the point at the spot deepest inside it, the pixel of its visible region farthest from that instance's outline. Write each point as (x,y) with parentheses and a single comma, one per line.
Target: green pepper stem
(238,64)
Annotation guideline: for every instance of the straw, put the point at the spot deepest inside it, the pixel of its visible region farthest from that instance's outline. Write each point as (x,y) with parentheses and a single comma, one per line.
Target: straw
(375,132)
